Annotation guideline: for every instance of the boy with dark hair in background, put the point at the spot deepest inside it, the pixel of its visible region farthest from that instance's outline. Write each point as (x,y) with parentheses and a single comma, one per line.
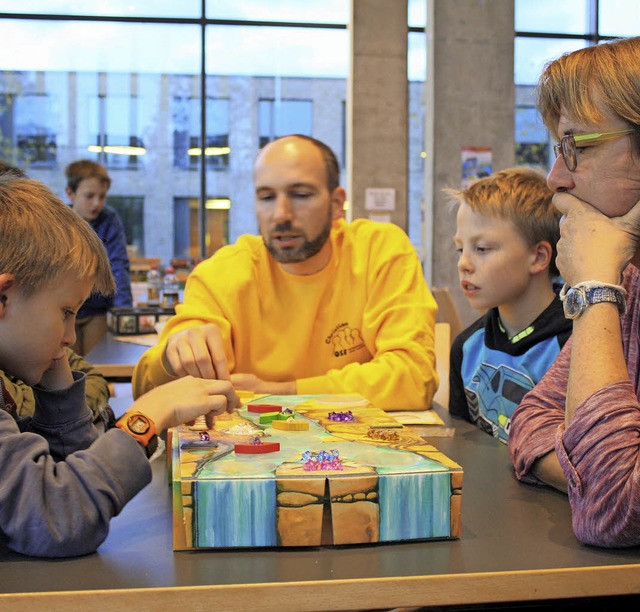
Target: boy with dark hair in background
(87,185)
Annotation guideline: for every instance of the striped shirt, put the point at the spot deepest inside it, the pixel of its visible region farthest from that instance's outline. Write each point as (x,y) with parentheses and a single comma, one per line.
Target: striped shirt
(599,452)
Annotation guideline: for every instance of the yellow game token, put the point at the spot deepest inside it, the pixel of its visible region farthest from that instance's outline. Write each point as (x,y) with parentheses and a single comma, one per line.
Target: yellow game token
(292,425)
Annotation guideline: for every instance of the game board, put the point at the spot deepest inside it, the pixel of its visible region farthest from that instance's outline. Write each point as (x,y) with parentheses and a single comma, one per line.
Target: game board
(332,476)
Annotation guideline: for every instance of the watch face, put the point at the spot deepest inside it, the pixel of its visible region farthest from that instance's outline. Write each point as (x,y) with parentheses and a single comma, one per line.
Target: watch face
(138,424)
(574,303)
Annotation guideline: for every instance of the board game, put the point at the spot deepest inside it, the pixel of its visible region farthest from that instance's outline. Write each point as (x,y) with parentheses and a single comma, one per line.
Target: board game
(309,471)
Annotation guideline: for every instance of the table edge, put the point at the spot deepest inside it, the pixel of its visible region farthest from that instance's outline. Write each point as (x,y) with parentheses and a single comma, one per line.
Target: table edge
(436,590)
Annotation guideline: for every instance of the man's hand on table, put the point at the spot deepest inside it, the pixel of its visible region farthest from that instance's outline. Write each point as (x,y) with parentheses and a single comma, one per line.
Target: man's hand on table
(197,351)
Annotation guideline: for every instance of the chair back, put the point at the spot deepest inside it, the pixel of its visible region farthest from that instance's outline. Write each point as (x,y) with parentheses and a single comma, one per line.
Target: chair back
(447,311)
(442,349)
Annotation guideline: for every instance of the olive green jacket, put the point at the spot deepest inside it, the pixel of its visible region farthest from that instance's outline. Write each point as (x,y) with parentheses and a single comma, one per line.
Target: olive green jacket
(96,387)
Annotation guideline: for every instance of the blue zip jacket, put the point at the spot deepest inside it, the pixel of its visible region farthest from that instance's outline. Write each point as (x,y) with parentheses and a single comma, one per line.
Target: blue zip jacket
(110,230)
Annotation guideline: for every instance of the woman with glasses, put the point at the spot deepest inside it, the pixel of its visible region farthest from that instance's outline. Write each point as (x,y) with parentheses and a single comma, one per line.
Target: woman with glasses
(578,430)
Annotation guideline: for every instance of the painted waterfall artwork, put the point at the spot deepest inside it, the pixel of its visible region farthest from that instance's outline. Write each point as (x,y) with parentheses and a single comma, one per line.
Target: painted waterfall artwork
(309,471)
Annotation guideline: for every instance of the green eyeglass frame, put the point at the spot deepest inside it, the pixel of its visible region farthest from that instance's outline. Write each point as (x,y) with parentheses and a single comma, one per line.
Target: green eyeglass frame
(567,146)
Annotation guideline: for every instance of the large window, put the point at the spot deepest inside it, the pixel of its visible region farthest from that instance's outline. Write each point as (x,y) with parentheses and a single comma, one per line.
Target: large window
(125,87)
(123,82)
(544,30)
(187,117)
(186,223)
(113,135)
(28,129)
(131,211)
(280,117)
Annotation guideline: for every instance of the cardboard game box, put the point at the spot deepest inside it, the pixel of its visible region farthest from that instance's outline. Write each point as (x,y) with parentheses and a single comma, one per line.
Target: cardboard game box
(309,471)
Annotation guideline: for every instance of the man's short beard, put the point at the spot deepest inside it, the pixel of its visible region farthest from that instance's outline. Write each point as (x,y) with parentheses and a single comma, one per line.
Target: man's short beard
(307,250)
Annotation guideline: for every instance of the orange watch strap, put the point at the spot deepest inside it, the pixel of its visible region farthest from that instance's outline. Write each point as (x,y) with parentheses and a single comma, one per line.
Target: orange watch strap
(138,426)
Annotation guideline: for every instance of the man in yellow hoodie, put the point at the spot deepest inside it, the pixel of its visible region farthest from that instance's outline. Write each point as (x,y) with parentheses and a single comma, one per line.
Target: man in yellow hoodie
(313,305)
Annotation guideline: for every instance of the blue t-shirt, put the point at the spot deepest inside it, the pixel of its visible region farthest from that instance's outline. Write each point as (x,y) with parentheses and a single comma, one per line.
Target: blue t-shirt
(490,374)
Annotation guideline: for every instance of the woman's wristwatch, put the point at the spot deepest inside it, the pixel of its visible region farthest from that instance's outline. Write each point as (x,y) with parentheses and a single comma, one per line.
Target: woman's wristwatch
(576,299)
(142,428)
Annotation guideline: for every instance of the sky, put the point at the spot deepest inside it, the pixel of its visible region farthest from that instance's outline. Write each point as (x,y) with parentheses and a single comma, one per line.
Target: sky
(244,50)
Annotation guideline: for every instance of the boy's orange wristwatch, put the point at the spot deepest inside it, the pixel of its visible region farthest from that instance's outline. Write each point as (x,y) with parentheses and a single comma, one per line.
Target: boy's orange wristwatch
(142,428)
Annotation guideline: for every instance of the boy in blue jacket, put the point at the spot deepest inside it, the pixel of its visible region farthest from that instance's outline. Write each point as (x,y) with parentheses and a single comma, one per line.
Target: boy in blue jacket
(61,482)
(87,187)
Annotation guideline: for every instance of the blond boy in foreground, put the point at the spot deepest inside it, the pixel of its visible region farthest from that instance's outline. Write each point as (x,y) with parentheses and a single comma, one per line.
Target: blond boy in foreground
(61,482)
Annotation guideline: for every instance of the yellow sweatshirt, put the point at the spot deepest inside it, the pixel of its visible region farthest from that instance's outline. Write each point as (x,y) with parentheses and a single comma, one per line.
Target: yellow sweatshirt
(364,324)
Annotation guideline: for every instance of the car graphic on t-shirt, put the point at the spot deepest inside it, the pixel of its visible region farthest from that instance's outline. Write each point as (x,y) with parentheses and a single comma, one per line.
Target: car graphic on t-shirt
(493,394)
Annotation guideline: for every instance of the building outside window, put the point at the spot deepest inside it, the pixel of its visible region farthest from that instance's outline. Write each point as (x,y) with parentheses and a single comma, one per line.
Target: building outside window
(28,130)
(281,117)
(544,30)
(185,244)
(113,143)
(131,212)
(186,133)
(531,136)
(132,98)
(35,133)
(110,119)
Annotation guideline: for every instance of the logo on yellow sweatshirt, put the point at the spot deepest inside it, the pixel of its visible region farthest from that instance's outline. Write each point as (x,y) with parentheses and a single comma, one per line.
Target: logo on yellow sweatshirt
(345,339)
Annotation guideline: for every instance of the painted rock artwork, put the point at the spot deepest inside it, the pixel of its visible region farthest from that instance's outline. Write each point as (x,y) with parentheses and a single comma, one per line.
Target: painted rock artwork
(309,475)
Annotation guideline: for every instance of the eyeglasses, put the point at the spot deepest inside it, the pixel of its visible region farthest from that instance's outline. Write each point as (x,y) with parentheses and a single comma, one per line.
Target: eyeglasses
(567,146)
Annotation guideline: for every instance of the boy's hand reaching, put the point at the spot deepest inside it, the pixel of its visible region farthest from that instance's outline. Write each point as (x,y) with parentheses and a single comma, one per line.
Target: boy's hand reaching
(183,400)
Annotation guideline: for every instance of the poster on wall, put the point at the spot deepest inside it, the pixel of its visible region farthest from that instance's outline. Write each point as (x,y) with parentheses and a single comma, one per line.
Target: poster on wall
(377,199)
(476,163)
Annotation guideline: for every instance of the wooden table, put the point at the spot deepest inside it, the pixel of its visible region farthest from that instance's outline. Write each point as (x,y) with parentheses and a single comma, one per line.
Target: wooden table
(115,358)
(516,545)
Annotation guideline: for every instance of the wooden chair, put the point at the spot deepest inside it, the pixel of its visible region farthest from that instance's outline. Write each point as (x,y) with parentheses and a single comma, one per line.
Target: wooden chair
(442,349)
(447,311)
